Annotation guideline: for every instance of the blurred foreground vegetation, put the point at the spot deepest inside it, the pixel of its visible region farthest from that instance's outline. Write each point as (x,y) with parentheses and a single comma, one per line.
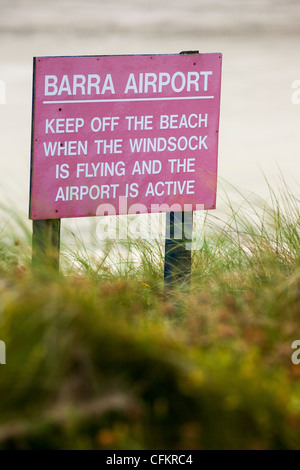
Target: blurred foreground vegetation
(100,358)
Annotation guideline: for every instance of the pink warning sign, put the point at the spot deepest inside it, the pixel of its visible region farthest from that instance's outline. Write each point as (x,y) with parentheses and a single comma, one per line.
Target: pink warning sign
(124,134)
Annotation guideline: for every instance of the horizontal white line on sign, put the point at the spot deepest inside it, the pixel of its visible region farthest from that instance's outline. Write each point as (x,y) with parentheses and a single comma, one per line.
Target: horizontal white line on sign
(132,99)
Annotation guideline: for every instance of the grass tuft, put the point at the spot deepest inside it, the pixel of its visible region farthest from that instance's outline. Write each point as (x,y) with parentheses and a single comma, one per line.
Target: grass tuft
(98,357)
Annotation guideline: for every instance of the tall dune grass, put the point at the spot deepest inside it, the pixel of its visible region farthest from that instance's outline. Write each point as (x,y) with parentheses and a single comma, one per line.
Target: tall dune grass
(99,357)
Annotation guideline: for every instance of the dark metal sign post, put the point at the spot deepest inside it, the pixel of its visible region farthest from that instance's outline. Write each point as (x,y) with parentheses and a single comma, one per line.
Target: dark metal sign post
(178,244)
(178,249)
